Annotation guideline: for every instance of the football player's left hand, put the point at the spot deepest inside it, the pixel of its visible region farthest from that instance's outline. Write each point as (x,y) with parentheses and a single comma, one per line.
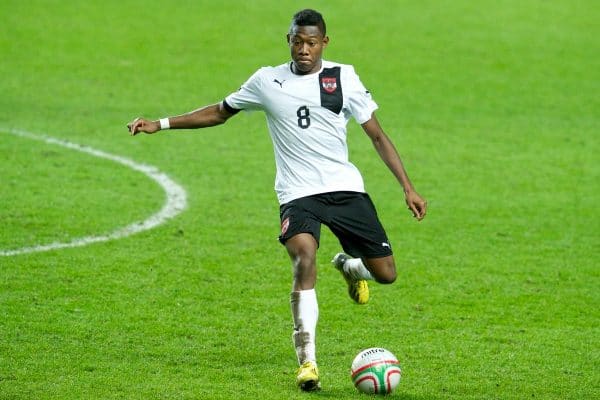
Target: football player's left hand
(416,204)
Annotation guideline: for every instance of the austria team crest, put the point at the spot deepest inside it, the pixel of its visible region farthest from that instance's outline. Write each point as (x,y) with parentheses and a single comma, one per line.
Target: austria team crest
(285,225)
(329,84)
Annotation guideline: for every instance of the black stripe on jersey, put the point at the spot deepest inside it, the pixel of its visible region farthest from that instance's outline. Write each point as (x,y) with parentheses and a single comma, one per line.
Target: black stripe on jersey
(230,109)
(331,89)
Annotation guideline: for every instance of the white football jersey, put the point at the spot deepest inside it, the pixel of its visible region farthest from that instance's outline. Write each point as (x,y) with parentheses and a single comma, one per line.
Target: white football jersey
(307,117)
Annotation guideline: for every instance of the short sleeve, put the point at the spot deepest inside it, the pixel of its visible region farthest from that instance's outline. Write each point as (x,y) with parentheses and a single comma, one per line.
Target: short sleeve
(248,97)
(359,102)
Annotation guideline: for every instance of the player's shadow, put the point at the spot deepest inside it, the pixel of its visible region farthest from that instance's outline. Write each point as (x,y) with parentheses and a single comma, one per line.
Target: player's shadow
(343,394)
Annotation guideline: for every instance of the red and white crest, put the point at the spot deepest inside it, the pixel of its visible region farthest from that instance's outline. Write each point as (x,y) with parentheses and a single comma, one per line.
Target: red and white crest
(285,225)
(329,84)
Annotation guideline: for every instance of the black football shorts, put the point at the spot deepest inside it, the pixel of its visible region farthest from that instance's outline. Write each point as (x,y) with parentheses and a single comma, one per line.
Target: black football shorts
(351,216)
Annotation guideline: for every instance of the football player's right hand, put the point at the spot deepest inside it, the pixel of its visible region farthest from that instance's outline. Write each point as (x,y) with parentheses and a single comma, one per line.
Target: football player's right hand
(143,125)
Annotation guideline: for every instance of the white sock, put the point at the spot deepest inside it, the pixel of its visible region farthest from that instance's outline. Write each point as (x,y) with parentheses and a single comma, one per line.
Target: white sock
(305,312)
(355,268)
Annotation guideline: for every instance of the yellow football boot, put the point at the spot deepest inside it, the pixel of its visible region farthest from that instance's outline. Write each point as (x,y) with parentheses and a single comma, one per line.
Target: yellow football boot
(307,378)
(358,289)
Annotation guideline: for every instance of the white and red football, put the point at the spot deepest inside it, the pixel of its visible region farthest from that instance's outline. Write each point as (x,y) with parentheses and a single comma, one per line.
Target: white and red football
(376,371)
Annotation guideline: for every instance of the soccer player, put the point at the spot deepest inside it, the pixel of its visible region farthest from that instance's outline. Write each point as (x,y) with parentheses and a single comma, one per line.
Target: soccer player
(308,103)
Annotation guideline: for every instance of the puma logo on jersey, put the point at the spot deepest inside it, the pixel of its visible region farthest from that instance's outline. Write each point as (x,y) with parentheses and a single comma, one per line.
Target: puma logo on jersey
(280,83)
(384,244)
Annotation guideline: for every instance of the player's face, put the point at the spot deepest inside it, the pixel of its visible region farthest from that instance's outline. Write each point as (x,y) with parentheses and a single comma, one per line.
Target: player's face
(306,46)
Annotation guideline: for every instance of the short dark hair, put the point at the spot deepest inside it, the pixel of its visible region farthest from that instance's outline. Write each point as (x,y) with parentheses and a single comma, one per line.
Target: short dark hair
(309,17)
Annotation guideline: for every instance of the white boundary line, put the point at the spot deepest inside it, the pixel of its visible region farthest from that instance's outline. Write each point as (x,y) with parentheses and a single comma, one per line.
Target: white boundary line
(176,197)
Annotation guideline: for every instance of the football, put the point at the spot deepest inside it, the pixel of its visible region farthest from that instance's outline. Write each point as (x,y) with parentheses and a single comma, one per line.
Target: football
(375,371)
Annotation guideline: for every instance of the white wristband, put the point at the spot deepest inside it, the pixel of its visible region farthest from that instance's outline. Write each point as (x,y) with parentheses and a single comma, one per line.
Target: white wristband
(164,123)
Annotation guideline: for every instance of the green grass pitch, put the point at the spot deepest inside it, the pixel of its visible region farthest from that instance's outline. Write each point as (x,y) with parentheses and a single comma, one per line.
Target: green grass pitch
(493,105)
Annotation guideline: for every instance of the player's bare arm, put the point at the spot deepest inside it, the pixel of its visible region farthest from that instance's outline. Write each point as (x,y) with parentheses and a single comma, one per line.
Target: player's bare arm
(204,117)
(388,153)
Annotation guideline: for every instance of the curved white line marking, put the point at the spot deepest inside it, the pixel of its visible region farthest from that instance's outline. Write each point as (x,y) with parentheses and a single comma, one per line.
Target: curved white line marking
(175,204)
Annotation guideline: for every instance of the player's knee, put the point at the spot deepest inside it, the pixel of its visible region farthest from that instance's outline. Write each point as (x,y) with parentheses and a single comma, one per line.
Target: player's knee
(305,256)
(386,278)
(383,270)
(304,270)
(304,263)
(302,250)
